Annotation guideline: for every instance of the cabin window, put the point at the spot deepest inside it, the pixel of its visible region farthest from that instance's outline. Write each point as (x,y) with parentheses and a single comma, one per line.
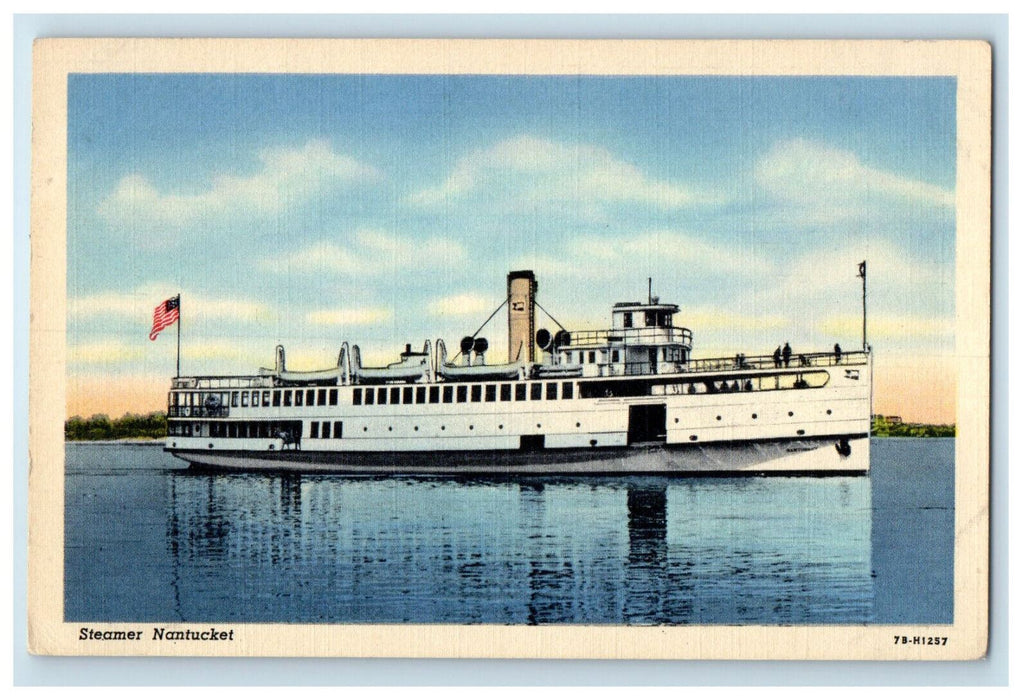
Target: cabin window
(568,358)
(357,396)
(433,394)
(491,392)
(627,319)
(394,395)
(255,398)
(614,356)
(505,392)
(298,397)
(551,391)
(593,357)
(566,390)
(380,397)
(235,398)
(448,394)
(462,394)
(408,394)
(536,392)
(520,392)
(477,392)
(314,429)
(310,397)
(265,398)
(337,429)
(369,396)
(333,397)
(233,430)
(419,395)
(325,430)
(246,398)
(276,398)
(321,397)
(649,318)
(287,398)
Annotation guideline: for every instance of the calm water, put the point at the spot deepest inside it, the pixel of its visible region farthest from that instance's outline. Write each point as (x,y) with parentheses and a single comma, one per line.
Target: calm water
(147,540)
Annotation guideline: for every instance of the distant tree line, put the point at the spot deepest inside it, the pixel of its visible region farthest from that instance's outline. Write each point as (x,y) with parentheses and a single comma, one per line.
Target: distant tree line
(881,427)
(129,426)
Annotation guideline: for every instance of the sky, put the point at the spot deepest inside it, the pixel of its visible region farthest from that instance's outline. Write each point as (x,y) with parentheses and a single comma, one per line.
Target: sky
(382,210)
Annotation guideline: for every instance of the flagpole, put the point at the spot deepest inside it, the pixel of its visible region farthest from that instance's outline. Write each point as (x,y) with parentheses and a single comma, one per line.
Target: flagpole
(178,339)
(864,305)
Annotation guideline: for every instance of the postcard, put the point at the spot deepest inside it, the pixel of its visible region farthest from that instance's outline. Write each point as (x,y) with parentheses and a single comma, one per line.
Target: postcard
(510,349)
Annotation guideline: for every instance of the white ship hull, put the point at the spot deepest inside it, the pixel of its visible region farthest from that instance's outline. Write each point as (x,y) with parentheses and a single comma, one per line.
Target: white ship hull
(813,456)
(820,428)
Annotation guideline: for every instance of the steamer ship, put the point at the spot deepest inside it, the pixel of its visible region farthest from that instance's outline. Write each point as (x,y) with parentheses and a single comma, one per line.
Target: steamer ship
(627,400)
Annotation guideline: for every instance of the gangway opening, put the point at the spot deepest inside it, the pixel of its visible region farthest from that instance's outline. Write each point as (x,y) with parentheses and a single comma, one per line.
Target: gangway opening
(647,423)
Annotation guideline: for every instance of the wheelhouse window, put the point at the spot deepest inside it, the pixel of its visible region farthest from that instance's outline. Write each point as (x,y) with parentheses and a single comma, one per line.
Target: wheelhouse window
(614,356)
(627,319)
(265,398)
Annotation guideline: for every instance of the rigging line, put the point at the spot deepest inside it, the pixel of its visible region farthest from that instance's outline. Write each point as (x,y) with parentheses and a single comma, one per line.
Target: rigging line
(502,305)
(548,314)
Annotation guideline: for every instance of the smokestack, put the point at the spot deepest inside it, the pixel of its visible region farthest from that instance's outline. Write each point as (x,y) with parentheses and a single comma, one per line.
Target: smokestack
(521,315)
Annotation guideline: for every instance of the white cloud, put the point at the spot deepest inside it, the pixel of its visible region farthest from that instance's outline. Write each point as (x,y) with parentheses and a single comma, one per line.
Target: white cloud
(820,184)
(370,252)
(348,317)
(287,177)
(532,170)
(103,352)
(461,305)
(140,304)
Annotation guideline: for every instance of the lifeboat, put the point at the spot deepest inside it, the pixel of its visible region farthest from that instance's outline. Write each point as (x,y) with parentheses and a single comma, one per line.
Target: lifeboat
(411,367)
(475,369)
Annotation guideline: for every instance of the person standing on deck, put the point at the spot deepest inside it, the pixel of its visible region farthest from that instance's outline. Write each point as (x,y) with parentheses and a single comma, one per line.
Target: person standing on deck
(837,352)
(777,356)
(786,352)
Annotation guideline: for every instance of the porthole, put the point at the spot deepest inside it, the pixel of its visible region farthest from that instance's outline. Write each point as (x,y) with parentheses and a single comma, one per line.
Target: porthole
(501,426)
(718,418)
(210,446)
(693,438)
(676,420)
(471,427)
(791,414)
(800,432)
(593,443)
(366,428)
(538,425)
(754,416)
(390,428)
(416,428)
(578,425)
(828,412)
(443,427)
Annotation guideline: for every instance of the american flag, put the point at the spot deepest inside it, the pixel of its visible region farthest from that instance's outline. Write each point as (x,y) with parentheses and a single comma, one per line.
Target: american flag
(165,314)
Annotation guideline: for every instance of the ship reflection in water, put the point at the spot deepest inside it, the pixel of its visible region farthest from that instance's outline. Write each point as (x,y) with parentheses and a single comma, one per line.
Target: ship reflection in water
(638,550)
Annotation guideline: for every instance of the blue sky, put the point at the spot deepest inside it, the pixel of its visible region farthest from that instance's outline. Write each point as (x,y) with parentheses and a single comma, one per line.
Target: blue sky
(306,210)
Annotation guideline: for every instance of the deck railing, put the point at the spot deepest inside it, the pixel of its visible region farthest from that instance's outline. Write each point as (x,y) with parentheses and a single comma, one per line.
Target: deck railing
(629,336)
(198,412)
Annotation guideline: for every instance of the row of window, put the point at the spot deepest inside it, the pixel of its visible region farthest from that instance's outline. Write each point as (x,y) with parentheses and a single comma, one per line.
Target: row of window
(256,398)
(463,393)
